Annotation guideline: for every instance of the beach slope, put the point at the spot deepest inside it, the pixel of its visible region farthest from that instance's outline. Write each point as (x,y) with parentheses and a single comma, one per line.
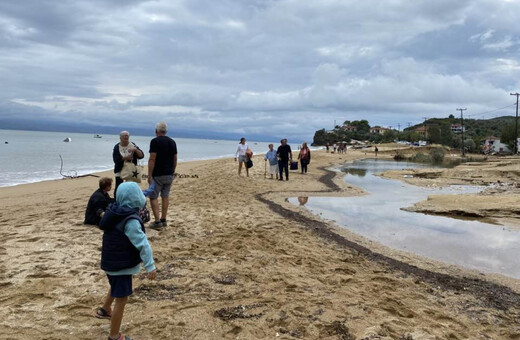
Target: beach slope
(237,261)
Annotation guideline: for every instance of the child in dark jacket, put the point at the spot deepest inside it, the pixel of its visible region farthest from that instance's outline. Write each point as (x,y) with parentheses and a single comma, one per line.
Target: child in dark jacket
(125,246)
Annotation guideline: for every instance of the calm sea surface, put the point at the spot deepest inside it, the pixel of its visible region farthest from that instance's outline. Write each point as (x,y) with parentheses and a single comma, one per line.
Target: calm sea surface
(33,156)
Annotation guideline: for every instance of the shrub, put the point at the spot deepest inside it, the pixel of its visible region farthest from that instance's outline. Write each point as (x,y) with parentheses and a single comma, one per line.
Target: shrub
(437,155)
(420,157)
(399,156)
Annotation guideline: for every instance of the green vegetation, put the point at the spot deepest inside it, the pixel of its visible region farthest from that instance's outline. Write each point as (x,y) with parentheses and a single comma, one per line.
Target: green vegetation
(437,155)
(438,132)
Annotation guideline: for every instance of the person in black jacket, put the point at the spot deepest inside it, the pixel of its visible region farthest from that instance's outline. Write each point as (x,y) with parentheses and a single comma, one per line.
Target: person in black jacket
(124,151)
(98,202)
(125,249)
(284,155)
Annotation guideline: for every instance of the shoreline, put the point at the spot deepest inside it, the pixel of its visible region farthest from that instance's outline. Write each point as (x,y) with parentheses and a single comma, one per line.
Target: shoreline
(230,266)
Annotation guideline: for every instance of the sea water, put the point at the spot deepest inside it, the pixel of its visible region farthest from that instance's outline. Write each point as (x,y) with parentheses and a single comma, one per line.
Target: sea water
(33,156)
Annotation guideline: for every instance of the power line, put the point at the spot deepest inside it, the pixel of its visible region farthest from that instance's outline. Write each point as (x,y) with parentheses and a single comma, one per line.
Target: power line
(486,112)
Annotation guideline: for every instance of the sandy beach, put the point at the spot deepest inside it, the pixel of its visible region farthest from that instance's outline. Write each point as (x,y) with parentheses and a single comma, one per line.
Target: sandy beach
(238,261)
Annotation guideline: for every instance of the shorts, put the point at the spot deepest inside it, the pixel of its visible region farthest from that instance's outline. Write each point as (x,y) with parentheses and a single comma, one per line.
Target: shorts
(120,285)
(273,169)
(163,185)
(242,159)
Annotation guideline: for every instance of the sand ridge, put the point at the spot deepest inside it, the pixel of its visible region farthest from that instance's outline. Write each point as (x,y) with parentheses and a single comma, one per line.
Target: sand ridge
(229,267)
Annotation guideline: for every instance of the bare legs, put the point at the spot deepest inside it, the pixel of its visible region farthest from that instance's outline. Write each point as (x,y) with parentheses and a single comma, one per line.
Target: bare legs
(117,313)
(155,208)
(240,169)
(165,202)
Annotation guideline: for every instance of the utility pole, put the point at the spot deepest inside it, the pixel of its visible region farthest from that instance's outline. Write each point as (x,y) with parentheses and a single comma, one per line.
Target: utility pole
(516,123)
(398,127)
(425,130)
(462,124)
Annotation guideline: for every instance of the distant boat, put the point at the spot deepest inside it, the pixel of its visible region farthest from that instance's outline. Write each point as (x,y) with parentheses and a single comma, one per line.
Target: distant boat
(68,139)
(98,136)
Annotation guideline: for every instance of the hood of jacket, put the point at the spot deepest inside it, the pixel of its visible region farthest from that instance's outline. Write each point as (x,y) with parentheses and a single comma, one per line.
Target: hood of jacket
(129,200)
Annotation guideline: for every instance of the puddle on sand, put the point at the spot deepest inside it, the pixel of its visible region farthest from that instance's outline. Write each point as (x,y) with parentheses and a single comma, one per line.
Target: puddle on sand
(377,216)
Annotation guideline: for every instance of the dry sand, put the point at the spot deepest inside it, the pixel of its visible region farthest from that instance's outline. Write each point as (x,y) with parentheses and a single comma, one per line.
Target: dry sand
(237,261)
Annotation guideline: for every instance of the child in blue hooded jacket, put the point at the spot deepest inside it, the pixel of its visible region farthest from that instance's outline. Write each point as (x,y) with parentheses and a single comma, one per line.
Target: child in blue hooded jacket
(125,246)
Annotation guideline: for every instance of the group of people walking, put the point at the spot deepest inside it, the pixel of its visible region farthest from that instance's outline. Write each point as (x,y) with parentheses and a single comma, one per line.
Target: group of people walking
(279,161)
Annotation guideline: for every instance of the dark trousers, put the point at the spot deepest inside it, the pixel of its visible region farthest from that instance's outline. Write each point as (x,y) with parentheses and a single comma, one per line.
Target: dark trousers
(118,182)
(304,163)
(281,166)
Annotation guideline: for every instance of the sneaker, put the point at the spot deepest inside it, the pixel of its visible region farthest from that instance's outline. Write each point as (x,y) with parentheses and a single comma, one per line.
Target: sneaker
(164,223)
(156,225)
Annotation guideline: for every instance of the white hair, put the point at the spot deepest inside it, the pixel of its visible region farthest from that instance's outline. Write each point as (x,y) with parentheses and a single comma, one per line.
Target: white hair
(161,127)
(124,132)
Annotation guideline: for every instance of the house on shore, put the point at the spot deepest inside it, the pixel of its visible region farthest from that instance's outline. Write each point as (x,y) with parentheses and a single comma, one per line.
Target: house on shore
(493,145)
(349,127)
(422,130)
(457,128)
(378,129)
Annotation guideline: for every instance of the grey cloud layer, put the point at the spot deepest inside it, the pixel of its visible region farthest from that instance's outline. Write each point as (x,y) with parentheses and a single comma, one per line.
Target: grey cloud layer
(245,66)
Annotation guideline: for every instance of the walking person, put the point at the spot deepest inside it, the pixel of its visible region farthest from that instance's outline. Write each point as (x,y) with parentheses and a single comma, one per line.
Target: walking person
(376,150)
(124,151)
(273,161)
(241,156)
(305,157)
(125,247)
(161,170)
(284,155)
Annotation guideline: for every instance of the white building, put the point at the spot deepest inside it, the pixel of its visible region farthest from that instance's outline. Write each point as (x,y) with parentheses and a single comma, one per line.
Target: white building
(493,145)
(457,128)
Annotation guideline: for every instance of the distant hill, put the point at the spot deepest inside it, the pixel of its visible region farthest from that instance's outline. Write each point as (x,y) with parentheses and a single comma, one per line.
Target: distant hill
(474,128)
(42,125)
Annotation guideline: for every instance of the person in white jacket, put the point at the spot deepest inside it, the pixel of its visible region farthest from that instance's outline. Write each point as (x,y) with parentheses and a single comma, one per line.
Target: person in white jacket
(241,156)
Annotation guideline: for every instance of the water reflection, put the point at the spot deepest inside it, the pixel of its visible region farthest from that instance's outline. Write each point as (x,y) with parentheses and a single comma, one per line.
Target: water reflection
(378,216)
(355,172)
(303,200)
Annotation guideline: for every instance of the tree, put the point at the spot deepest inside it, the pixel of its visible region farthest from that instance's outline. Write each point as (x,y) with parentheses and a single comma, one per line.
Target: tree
(434,134)
(389,136)
(451,117)
(446,134)
(507,135)
(469,145)
(361,125)
(347,122)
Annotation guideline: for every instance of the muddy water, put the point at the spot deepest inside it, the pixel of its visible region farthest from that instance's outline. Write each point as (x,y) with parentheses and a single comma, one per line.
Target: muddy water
(378,216)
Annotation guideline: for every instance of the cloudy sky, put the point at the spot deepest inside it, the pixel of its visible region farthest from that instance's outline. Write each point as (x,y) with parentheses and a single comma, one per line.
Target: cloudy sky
(264,67)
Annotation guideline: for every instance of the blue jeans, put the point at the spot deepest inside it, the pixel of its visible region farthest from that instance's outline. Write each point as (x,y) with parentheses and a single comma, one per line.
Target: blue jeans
(281,166)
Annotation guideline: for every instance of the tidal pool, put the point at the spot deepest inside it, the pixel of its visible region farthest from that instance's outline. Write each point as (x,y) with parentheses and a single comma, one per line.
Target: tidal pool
(378,216)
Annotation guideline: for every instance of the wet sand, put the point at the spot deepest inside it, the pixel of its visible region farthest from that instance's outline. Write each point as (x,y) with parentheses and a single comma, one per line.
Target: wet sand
(237,261)
(498,203)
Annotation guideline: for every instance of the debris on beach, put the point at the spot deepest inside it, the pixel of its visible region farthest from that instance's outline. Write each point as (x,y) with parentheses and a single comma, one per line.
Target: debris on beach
(156,292)
(340,329)
(225,279)
(239,312)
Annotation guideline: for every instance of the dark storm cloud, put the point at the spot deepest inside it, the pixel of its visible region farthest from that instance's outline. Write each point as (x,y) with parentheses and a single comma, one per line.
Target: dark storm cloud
(256,66)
